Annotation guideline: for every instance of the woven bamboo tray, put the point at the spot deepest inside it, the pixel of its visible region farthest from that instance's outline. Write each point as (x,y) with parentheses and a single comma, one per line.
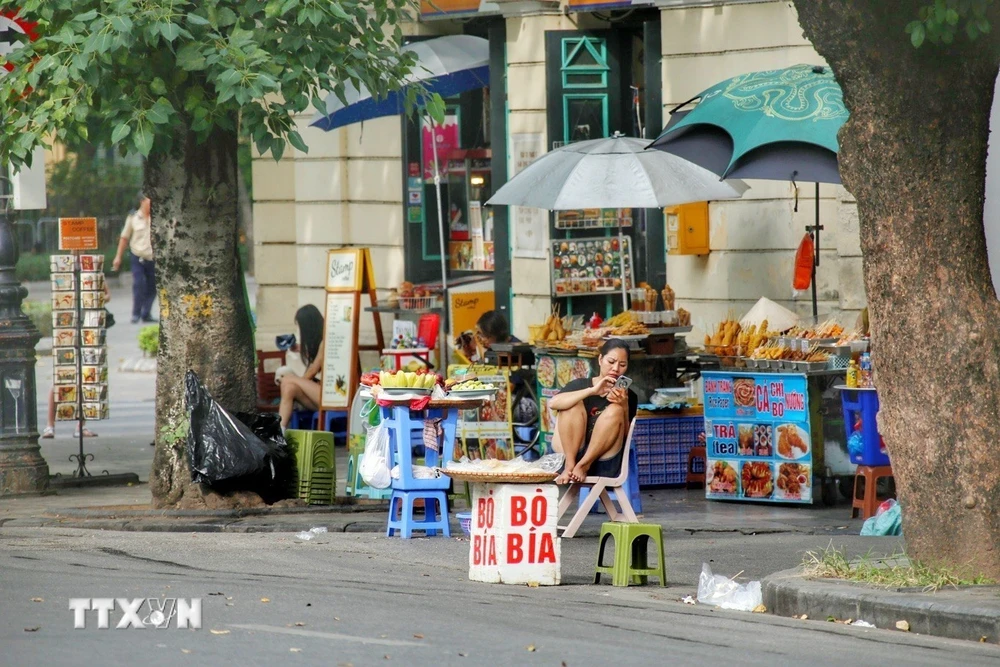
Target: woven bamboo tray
(501,477)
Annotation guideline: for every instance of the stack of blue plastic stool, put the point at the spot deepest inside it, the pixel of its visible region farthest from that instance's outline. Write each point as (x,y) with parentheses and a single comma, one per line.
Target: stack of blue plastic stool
(406,490)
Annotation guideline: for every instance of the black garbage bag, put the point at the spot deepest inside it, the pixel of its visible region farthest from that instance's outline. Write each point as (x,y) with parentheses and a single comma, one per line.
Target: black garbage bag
(235,453)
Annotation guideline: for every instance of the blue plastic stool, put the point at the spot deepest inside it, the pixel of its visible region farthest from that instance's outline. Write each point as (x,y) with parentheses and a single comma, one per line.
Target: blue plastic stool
(435,517)
(864,404)
(632,484)
(339,429)
(302,420)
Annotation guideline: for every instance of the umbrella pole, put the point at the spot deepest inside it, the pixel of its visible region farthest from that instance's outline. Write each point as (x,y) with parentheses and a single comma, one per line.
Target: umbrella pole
(443,363)
(621,260)
(816,230)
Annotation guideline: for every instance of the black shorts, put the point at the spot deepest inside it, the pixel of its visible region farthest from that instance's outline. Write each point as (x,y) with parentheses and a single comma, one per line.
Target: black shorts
(610,467)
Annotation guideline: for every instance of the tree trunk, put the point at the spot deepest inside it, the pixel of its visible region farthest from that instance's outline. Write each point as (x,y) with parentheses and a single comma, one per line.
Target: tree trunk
(204,324)
(914,155)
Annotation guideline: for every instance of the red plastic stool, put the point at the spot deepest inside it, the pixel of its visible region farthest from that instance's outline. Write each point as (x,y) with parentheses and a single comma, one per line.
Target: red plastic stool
(693,477)
(869,502)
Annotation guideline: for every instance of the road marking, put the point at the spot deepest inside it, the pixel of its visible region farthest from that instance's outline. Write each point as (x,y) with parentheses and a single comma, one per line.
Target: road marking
(325,635)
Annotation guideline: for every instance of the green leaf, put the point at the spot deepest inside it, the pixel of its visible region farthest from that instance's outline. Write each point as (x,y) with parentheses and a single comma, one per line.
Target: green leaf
(142,139)
(296,141)
(190,57)
(917,36)
(197,19)
(121,23)
(157,86)
(277,148)
(170,31)
(86,16)
(120,133)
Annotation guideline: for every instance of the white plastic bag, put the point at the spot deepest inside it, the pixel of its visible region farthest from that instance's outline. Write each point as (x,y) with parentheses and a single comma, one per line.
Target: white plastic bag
(374,467)
(719,591)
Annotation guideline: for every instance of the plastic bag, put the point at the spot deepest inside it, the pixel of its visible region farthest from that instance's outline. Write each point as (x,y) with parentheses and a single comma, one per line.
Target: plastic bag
(719,591)
(241,453)
(374,467)
(888,520)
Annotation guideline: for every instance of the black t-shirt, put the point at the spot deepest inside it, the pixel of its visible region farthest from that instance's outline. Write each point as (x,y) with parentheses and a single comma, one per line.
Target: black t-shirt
(595,405)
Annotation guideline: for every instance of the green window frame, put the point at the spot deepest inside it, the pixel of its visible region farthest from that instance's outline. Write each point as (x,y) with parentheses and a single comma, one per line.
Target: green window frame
(601,97)
(576,75)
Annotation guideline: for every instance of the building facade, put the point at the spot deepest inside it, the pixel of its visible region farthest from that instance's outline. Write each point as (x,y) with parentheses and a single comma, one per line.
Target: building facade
(559,72)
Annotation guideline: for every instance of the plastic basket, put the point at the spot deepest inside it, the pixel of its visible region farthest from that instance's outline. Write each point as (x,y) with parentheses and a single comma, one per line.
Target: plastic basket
(465,520)
(416,302)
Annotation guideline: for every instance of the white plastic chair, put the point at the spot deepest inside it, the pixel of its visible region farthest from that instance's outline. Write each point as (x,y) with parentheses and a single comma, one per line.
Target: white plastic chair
(600,487)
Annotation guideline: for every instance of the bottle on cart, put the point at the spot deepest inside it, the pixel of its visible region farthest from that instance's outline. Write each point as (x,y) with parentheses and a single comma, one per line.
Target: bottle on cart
(852,375)
(865,379)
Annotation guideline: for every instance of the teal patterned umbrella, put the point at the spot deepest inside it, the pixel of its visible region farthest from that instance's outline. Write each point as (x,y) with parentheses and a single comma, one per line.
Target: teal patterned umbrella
(777,125)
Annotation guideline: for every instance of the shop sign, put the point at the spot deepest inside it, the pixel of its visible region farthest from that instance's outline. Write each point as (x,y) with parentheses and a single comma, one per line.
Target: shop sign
(758,437)
(78,234)
(514,534)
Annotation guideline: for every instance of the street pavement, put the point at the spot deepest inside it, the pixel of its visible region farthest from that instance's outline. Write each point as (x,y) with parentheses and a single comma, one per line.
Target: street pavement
(344,599)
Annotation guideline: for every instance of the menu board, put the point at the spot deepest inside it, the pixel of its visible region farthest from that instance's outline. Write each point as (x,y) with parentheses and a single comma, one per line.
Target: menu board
(553,373)
(341,325)
(343,270)
(758,438)
(591,265)
(486,432)
(594,218)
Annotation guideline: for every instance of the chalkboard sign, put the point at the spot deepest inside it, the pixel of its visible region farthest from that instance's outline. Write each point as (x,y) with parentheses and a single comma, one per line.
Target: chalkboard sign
(349,273)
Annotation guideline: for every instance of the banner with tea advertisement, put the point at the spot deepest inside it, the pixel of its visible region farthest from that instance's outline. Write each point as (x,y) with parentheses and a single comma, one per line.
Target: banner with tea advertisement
(758,437)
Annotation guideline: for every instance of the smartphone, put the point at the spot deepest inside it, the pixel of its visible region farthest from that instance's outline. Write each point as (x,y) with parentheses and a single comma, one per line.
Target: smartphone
(623,382)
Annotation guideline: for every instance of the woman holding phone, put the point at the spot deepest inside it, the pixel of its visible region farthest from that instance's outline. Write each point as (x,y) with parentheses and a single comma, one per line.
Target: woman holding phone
(594,417)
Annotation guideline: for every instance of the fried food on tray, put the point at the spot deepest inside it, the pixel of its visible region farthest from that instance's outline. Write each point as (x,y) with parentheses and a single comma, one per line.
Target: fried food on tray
(792,479)
(757,479)
(723,478)
(789,441)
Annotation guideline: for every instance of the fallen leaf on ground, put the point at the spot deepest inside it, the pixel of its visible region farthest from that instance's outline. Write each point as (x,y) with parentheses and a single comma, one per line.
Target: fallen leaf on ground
(530,647)
(418,636)
(803,617)
(299,624)
(295,650)
(903,625)
(37,600)
(532,584)
(982,639)
(185,650)
(265,599)
(219,632)
(760,609)
(34,629)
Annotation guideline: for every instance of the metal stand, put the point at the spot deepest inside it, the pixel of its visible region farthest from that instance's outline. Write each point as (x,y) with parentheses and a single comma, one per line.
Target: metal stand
(815,230)
(80,458)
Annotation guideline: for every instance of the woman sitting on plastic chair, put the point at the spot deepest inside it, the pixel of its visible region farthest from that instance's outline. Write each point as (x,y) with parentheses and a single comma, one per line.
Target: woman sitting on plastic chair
(304,389)
(594,417)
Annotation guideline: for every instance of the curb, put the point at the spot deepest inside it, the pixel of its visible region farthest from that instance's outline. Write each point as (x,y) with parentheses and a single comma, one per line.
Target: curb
(969,613)
(144,525)
(83,513)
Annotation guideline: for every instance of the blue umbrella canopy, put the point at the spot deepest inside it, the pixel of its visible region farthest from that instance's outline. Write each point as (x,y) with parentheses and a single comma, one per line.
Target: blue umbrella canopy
(445,65)
(776,125)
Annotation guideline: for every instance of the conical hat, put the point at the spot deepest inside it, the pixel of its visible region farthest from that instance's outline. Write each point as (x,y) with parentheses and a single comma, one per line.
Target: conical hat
(778,317)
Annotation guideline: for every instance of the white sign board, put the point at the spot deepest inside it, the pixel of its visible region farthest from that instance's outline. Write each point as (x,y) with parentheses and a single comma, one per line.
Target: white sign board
(341,317)
(530,224)
(343,270)
(514,538)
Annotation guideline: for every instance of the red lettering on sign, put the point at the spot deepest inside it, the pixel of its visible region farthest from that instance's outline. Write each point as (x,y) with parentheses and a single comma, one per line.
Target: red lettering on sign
(514,553)
(484,513)
(547,550)
(492,558)
(763,404)
(795,400)
(777,409)
(777,389)
(531,547)
(539,509)
(518,515)
(477,550)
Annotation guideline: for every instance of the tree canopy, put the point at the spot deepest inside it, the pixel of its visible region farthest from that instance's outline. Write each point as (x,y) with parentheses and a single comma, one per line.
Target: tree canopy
(150,71)
(941,21)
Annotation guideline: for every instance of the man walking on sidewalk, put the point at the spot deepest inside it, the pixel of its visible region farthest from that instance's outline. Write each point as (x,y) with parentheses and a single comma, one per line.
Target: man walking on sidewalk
(137,237)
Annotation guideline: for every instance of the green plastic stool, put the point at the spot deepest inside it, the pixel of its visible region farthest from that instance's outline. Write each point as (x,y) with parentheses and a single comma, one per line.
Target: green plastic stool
(631,545)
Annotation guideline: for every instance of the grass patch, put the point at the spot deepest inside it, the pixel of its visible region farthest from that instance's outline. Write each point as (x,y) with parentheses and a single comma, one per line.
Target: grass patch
(893,571)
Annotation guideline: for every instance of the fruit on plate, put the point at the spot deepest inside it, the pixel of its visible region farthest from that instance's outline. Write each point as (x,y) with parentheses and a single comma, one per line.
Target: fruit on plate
(407,380)
(473,385)
(370,379)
